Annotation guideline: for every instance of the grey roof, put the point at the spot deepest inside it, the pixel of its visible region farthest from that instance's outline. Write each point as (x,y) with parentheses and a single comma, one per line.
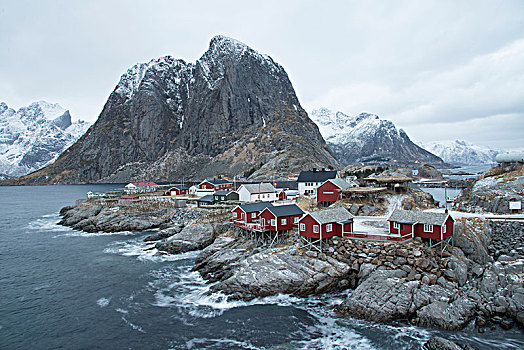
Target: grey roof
(341,183)
(217,181)
(422,217)
(316,176)
(286,210)
(260,188)
(222,193)
(252,207)
(336,214)
(207,198)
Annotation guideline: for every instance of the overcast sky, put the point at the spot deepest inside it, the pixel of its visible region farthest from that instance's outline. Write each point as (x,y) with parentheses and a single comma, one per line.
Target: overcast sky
(439,69)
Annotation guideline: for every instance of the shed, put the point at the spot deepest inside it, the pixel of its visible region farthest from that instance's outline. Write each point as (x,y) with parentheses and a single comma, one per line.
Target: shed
(437,226)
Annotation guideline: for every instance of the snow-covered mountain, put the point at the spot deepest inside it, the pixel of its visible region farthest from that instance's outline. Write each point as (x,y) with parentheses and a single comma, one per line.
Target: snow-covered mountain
(461,152)
(366,138)
(35,136)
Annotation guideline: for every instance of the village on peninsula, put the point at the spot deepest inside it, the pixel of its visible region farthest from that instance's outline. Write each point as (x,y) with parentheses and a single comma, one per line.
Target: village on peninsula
(370,230)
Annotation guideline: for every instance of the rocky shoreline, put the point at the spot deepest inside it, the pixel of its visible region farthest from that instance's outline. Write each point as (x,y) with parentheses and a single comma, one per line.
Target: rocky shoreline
(479,280)
(93,217)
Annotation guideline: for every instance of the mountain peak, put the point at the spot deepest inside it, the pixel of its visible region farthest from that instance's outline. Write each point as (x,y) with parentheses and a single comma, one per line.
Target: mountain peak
(233,112)
(226,44)
(34,136)
(462,152)
(130,81)
(367,138)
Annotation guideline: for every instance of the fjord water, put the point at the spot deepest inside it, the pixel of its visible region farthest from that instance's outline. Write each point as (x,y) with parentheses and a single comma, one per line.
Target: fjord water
(61,288)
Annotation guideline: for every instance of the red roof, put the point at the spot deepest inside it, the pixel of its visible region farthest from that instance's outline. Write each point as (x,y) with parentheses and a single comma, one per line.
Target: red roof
(129,197)
(140,184)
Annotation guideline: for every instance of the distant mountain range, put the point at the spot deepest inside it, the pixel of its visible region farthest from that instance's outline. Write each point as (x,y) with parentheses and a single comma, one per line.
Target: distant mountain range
(460,152)
(233,112)
(366,138)
(34,136)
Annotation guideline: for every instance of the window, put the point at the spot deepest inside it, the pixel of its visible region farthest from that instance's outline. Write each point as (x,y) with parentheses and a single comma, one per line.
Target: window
(283,221)
(328,192)
(428,228)
(444,229)
(223,197)
(235,214)
(329,227)
(302,227)
(295,219)
(315,228)
(273,222)
(396,225)
(253,215)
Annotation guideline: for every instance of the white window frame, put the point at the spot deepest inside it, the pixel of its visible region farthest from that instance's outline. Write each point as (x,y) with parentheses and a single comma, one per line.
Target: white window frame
(295,220)
(396,225)
(315,229)
(253,215)
(329,227)
(302,227)
(327,192)
(283,221)
(428,228)
(273,222)
(444,228)
(235,214)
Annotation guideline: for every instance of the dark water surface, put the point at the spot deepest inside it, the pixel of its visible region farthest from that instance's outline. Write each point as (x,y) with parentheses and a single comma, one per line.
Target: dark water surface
(61,288)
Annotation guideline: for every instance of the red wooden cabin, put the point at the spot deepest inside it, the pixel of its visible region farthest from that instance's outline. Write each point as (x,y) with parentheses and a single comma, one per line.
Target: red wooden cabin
(247,216)
(215,185)
(178,190)
(280,218)
(436,226)
(329,191)
(326,223)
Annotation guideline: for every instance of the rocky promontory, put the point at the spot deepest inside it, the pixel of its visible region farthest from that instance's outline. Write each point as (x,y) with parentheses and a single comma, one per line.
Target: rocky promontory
(391,282)
(94,217)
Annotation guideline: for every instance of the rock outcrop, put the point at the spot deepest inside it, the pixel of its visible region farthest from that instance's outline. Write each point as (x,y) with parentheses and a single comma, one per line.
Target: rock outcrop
(495,190)
(232,112)
(246,272)
(428,171)
(92,217)
(191,237)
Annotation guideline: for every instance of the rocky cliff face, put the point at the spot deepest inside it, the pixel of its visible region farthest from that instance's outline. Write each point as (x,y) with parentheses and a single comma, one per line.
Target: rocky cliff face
(366,138)
(232,112)
(34,136)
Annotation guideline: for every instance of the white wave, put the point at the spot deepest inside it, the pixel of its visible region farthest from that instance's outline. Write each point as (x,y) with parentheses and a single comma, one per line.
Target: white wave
(219,343)
(48,223)
(122,311)
(132,325)
(145,251)
(103,302)
(94,234)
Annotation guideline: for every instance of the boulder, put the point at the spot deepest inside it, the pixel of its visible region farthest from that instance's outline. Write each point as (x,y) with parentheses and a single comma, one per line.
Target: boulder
(429,172)
(354,209)
(192,237)
(439,343)
(450,316)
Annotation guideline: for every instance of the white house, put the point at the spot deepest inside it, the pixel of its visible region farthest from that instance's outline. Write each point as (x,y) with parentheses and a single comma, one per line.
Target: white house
(193,190)
(257,192)
(309,180)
